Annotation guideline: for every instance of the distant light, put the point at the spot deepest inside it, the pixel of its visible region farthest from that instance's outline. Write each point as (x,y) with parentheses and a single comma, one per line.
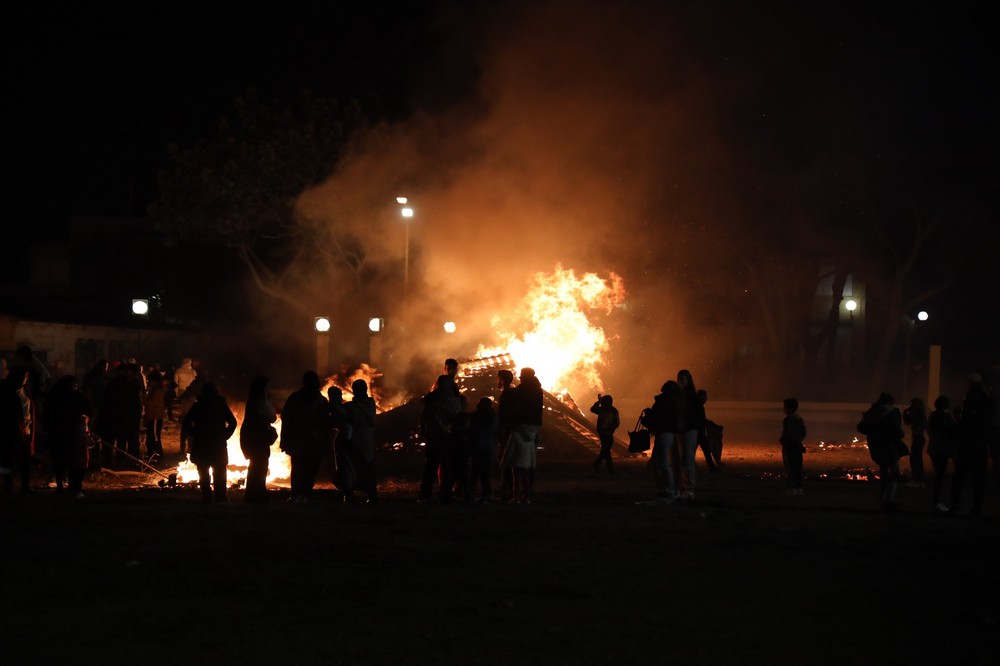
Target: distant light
(401,200)
(407,212)
(449,327)
(375,324)
(922,315)
(322,324)
(851,305)
(140,306)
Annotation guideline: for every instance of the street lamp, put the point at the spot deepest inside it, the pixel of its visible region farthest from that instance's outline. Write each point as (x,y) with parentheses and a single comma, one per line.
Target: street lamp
(322,327)
(407,213)
(449,327)
(140,308)
(922,316)
(375,327)
(851,305)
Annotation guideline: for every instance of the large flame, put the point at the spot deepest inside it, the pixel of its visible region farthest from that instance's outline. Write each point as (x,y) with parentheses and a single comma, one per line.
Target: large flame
(559,339)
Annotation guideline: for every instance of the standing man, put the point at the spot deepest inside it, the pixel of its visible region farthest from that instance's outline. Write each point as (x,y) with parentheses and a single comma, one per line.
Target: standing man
(304,435)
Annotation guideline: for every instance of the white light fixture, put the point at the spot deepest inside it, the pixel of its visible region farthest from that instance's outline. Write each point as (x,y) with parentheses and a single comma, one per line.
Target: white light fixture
(140,306)
(376,324)
(851,305)
(407,212)
(449,327)
(922,315)
(322,324)
(401,200)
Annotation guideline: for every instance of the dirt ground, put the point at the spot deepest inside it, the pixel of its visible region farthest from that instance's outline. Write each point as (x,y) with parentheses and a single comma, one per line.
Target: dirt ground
(136,573)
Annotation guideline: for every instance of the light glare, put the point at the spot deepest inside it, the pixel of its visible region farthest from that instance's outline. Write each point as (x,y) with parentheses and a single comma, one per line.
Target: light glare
(140,306)
(322,324)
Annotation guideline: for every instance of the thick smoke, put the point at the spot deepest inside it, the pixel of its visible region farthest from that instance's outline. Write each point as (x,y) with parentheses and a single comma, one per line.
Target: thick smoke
(588,140)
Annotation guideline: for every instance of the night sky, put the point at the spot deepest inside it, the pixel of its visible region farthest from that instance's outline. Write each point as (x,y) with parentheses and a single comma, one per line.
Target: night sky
(817,112)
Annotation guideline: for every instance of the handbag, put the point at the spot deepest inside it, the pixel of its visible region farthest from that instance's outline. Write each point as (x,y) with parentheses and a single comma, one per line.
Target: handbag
(638,439)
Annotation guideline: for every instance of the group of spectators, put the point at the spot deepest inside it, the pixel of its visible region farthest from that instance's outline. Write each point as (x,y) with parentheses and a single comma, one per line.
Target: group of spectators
(461,445)
(75,426)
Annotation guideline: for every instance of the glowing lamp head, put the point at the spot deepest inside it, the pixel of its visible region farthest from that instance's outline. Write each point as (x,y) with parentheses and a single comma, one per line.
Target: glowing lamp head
(851,305)
(322,324)
(375,325)
(449,327)
(922,315)
(140,306)
(401,200)
(407,212)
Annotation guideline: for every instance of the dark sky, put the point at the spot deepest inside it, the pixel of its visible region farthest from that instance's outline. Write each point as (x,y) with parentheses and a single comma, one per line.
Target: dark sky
(96,91)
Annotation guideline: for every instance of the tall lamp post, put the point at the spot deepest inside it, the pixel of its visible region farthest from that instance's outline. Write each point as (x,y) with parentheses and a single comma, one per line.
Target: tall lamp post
(322,328)
(140,308)
(912,323)
(407,213)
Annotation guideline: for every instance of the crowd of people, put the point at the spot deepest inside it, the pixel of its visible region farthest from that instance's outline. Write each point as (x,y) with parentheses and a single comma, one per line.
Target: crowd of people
(99,423)
(75,426)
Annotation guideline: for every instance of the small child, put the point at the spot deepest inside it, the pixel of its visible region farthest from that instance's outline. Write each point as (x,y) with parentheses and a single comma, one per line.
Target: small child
(793,433)
(608,421)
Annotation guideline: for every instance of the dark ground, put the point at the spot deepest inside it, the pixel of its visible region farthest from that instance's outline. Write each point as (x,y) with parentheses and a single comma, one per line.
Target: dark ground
(742,574)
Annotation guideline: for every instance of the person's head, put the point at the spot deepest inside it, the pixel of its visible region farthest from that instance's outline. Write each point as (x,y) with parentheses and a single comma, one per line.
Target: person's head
(335,395)
(66,383)
(444,381)
(451,366)
(686,381)
(359,388)
(607,401)
(258,386)
(791,405)
(885,399)
(942,402)
(504,378)
(209,391)
(310,380)
(484,405)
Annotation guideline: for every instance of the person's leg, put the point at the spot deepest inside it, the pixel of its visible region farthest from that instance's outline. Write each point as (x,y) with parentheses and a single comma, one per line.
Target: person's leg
(205,483)
(690,441)
(917,457)
(219,480)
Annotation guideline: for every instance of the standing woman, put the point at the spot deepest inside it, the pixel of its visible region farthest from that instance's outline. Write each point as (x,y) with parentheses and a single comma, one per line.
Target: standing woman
(256,436)
(361,414)
(210,423)
(692,422)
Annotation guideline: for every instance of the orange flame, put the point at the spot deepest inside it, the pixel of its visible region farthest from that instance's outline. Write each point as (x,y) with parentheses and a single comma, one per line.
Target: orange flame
(560,341)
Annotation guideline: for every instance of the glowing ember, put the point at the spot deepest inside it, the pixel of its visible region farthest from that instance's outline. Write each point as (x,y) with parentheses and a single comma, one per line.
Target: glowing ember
(560,341)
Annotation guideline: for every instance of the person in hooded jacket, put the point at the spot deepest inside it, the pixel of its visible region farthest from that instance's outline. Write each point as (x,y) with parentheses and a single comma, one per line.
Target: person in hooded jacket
(210,423)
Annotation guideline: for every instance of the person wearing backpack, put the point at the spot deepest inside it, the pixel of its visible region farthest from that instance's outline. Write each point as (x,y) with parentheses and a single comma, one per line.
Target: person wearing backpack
(883,425)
